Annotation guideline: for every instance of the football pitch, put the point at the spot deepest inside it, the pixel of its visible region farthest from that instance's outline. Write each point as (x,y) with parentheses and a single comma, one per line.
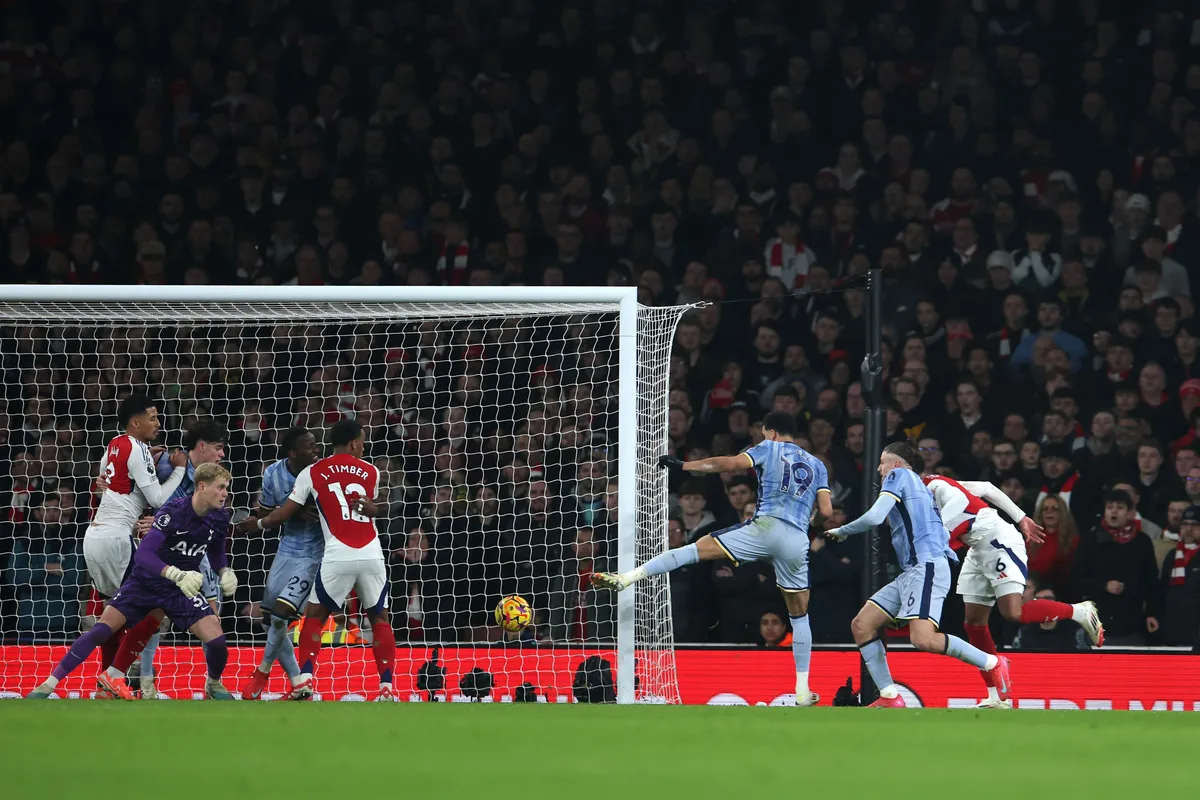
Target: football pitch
(92,749)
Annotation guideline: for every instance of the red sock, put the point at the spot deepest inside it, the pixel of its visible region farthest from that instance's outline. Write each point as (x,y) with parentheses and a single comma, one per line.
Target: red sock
(109,649)
(1038,611)
(310,644)
(385,649)
(134,642)
(981,636)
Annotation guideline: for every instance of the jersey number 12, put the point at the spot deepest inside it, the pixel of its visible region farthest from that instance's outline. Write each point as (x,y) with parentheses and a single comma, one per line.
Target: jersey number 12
(797,477)
(351,488)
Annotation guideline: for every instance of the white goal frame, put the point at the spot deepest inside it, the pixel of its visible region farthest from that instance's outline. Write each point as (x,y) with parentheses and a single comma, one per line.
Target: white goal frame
(623,300)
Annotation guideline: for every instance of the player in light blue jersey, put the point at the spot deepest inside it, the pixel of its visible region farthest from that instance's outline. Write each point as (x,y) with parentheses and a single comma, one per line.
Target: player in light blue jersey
(790,482)
(204,442)
(922,547)
(294,569)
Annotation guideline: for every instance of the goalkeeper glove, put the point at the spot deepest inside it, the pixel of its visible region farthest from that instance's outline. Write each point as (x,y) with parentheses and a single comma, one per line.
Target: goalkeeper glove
(228,582)
(670,462)
(188,582)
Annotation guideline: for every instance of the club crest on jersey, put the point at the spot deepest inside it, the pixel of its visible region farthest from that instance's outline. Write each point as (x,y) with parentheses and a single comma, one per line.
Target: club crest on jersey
(163,521)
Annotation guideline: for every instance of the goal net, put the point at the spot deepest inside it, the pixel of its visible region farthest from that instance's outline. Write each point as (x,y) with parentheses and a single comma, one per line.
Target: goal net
(516,432)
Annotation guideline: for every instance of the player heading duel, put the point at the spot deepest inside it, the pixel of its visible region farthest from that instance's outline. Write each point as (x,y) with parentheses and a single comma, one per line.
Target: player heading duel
(344,487)
(917,595)
(791,480)
(165,575)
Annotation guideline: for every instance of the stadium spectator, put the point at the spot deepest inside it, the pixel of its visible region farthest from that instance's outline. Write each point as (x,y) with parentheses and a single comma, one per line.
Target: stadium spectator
(1115,567)
(1030,209)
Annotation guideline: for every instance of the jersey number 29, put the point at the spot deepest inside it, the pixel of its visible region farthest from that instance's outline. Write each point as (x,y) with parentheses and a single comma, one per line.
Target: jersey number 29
(797,477)
(353,489)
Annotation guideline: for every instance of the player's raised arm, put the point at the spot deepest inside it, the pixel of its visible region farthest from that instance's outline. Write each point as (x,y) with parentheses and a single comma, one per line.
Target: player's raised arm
(301,492)
(715,464)
(875,516)
(143,473)
(990,493)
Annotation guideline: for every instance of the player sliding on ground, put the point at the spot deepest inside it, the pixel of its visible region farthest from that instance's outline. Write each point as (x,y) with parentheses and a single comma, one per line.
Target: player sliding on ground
(165,576)
(917,595)
(344,487)
(994,571)
(294,570)
(790,482)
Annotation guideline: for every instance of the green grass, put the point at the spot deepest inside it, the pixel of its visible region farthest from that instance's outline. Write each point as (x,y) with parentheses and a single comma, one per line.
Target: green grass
(357,751)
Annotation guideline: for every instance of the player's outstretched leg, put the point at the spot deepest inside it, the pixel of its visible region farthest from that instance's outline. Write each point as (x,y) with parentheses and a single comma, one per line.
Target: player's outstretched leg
(1085,614)
(703,549)
(980,636)
(925,636)
(81,648)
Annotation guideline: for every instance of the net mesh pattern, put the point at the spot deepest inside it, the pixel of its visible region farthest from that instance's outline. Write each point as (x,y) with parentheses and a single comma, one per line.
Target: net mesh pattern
(494,426)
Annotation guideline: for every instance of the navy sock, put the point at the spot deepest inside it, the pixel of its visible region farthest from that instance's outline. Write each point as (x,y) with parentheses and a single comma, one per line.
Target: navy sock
(216,654)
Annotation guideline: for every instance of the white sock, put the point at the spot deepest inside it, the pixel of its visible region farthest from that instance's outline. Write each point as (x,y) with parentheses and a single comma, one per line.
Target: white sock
(992,693)
(1078,613)
(634,575)
(114,673)
(802,691)
(889,692)
(992,662)
(383,686)
(50,682)
(302,677)
(297,680)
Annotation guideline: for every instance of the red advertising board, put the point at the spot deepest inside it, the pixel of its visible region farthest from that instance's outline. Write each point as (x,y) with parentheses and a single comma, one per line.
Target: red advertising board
(733,676)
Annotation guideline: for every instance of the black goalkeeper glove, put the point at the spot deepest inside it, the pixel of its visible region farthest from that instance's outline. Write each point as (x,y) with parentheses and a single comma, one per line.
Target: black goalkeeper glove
(670,462)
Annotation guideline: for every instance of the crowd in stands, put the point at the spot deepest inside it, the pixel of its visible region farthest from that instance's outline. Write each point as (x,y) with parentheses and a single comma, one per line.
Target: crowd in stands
(1026,173)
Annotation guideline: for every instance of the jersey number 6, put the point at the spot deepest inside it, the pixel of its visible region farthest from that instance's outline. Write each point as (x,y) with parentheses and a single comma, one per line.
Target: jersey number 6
(351,488)
(796,477)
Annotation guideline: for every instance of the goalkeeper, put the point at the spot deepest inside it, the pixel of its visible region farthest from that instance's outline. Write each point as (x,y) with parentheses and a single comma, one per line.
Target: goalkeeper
(165,576)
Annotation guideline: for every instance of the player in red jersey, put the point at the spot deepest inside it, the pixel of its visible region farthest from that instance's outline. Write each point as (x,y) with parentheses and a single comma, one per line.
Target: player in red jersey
(130,483)
(994,571)
(344,487)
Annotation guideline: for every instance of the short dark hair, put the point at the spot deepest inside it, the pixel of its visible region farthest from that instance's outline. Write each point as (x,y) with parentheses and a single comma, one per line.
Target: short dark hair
(787,391)
(287,442)
(133,406)
(909,452)
(692,487)
(742,480)
(344,432)
(206,430)
(782,423)
(1117,496)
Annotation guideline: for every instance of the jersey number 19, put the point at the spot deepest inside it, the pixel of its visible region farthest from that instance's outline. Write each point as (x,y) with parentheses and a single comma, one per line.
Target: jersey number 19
(797,477)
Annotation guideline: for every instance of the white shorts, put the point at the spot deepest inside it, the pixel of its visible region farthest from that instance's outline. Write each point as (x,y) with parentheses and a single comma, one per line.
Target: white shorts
(995,567)
(108,555)
(335,579)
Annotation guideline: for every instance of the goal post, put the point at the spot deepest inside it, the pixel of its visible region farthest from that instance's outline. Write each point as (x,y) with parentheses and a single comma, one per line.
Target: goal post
(506,418)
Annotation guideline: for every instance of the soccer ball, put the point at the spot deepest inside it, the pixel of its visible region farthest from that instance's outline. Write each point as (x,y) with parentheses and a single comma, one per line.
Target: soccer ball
(513,613)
